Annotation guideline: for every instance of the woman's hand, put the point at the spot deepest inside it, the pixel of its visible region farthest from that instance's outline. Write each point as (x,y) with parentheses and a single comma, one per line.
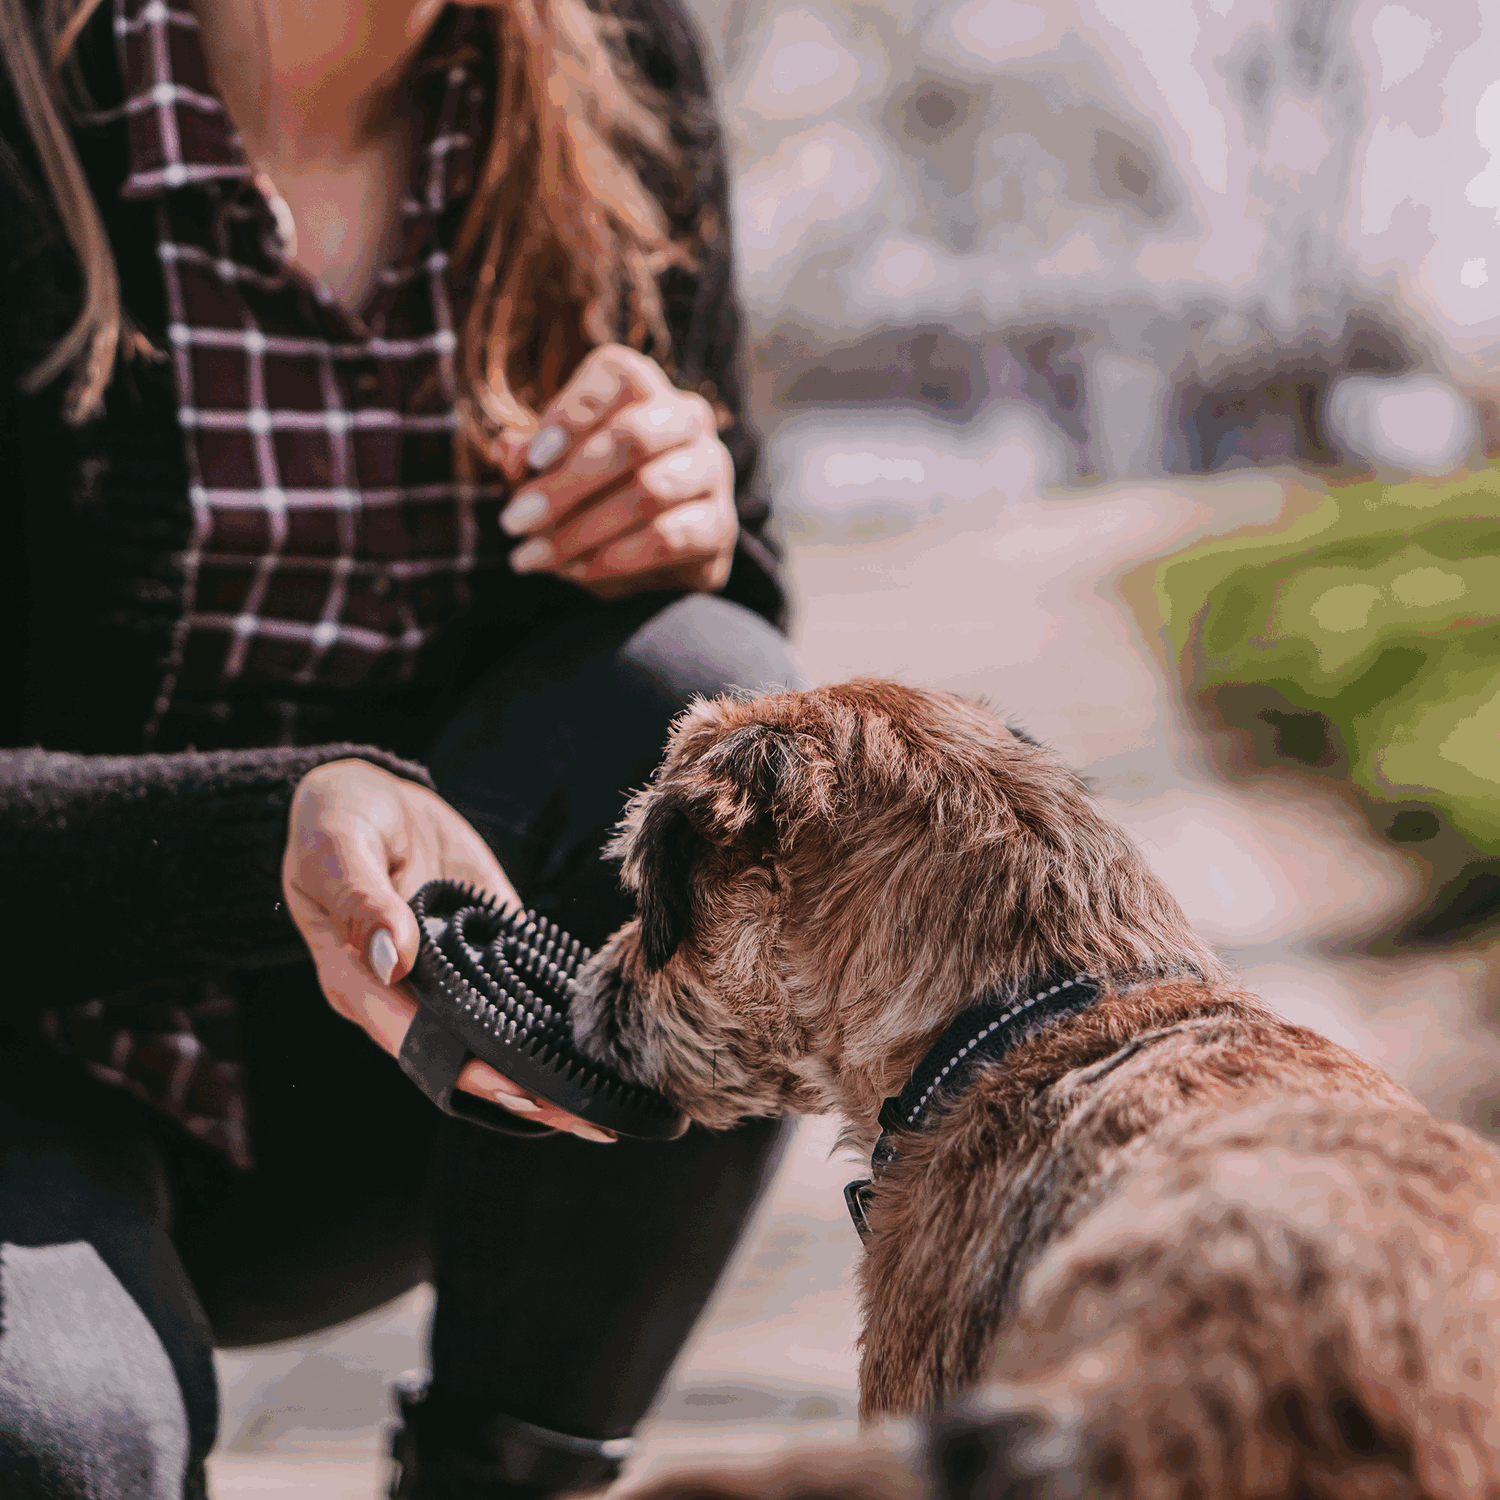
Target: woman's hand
(362,842)
(631,488)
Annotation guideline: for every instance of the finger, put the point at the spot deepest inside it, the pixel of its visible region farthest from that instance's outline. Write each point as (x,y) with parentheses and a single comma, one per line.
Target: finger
(609,377)
(482,1080)
(697,532)
(606,458)
(344,869)
(479,1078)
(704,575)
(619,514)
(382,1012)
(674,478)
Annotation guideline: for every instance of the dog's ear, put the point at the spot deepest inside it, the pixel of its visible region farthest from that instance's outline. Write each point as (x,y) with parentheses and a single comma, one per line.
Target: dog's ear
(662,855)
(728,793)
(749,778)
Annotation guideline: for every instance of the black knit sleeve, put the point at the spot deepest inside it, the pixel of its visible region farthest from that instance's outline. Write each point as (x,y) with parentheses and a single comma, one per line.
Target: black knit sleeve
(701,301)
(119,869)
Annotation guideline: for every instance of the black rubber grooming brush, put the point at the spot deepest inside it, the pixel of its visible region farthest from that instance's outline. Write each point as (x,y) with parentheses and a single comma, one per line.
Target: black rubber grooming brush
(496,985)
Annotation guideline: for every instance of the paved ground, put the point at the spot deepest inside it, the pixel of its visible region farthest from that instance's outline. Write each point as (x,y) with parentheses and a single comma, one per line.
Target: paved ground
(1024,607)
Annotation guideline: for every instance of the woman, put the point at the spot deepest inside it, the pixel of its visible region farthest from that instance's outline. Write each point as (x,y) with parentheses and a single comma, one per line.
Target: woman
(369,378)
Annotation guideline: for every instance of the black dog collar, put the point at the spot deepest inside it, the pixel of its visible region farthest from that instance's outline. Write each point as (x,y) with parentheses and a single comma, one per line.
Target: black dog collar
(985,1033)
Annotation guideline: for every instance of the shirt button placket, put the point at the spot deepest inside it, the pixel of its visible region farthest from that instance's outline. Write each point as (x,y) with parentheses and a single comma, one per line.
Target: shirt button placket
(381,532)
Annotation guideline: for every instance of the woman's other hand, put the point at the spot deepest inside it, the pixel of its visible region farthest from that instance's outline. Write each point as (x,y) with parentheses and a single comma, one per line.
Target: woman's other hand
(630,487)
(361,843)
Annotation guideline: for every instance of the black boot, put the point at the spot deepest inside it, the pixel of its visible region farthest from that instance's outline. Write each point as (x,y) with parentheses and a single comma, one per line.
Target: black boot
(501,1458)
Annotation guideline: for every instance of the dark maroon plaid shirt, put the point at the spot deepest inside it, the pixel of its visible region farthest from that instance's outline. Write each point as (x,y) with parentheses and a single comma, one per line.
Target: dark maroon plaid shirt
(333,543)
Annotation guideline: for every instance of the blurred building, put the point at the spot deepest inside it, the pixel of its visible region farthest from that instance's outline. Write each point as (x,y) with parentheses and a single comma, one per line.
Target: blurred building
(1121,238)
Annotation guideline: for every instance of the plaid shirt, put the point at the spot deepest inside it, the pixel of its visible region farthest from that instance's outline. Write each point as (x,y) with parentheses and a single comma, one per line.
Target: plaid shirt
(332,542)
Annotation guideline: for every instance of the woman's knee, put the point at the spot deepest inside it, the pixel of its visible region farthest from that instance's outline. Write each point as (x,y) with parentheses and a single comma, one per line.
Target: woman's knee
(704,645)
(107,1382)
(581,711)
(545,752)
(609,682)
(92,1405)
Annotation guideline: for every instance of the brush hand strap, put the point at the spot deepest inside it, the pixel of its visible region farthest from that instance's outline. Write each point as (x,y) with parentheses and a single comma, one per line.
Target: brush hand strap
(432,1057)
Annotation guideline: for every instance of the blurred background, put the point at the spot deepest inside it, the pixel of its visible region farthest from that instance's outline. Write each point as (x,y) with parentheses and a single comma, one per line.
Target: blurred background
(1130,366)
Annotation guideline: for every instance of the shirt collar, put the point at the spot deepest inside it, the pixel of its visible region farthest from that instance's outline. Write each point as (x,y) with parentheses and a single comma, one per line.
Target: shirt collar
(177,128)
(180,135)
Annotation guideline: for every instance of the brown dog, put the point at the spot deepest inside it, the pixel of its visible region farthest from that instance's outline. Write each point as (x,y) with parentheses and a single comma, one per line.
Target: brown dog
(1198,1250)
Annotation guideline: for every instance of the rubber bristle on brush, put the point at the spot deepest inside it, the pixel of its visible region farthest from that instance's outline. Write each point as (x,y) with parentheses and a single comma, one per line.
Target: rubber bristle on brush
(501,982)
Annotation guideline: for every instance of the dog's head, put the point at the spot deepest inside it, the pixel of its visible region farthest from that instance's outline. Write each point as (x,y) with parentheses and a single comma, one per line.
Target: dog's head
(825,879)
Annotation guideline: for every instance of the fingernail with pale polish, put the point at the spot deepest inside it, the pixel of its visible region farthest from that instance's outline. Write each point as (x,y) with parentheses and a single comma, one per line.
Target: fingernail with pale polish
(523,513)
(383,955)
(530,556)
(514,1101)
(546,447)
(588,1133)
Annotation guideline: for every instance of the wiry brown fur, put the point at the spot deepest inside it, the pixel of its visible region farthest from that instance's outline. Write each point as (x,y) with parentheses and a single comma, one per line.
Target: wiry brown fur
(1210,1252)
(877,1467)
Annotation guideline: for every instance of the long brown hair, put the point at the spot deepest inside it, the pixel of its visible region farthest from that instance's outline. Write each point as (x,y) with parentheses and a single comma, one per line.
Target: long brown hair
(562,243)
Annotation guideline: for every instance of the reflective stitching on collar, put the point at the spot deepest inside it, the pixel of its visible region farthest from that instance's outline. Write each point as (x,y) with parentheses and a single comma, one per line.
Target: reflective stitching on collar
(1000,1020)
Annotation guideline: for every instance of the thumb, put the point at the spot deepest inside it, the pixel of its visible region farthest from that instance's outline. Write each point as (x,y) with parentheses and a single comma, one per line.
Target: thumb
(352,883)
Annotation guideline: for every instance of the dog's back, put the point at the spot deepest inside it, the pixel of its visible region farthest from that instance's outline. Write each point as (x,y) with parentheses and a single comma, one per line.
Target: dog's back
(1196,1250)
(1298,1299)
(1237,1262)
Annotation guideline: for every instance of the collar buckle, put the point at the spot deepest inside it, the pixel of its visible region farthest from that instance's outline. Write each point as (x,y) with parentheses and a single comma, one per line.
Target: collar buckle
(857,1195)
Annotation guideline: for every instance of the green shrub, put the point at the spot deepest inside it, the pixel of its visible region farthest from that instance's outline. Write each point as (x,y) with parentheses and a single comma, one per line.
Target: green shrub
(1378,608)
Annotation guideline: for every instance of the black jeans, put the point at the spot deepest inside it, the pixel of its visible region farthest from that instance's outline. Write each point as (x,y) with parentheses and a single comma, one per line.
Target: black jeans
(568,1275)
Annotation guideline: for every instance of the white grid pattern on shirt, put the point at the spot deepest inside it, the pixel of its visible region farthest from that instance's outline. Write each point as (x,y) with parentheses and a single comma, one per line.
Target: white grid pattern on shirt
(259,417)
(203,1091)
(163,99)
